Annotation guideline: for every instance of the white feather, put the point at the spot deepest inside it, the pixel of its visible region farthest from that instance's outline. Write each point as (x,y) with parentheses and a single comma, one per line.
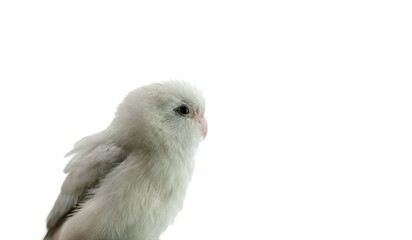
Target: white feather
(136,172)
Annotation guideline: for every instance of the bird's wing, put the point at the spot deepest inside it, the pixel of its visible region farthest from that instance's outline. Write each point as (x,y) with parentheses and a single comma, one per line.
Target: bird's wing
(93,157)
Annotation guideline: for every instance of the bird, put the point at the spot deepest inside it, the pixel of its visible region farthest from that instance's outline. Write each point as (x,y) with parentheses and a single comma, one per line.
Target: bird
(129,181)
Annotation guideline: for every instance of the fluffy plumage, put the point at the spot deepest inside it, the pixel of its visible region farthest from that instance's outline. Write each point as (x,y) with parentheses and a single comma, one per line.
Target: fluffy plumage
(129,181)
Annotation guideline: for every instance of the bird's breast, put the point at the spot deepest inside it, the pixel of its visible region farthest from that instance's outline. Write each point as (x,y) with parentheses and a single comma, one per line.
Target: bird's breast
(143,195)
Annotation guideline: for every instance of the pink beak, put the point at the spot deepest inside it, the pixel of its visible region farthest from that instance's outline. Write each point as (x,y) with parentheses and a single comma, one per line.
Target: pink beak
(203,124)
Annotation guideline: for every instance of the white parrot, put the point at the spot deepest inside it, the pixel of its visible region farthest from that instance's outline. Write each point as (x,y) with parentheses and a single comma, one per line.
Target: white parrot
(129,181)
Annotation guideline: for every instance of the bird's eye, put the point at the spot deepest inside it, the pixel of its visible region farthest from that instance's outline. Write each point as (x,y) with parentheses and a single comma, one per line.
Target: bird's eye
(183,110)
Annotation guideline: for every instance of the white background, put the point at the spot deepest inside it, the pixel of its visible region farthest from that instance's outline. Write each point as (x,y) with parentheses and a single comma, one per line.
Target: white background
(309,106)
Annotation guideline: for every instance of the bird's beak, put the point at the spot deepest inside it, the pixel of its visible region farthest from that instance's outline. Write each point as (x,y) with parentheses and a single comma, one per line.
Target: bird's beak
(203,124)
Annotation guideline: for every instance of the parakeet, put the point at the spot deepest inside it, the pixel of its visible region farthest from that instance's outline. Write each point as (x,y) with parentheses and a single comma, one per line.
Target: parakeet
(129,181)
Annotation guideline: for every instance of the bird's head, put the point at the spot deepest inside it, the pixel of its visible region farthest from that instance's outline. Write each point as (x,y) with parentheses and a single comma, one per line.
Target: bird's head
(165,114)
